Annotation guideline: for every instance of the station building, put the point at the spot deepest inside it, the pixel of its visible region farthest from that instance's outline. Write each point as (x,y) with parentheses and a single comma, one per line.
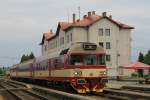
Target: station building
(113,36)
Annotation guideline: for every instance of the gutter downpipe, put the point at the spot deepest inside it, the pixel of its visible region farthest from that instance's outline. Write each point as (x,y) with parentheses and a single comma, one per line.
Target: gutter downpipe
(88,34)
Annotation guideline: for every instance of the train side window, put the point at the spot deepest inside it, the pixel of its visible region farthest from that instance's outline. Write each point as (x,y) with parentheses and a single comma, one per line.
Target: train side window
(46,65)
(38,67)
(55,63)
(52,63)
(62,61)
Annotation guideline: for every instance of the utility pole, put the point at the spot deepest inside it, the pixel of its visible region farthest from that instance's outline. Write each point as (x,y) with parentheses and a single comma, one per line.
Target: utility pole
(79,11)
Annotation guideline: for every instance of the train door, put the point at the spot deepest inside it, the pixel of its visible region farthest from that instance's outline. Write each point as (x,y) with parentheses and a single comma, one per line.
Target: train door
(49,67)
(32,70)
(16,71)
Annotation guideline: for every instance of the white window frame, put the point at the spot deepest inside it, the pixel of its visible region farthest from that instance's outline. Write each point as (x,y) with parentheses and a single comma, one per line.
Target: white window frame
(107,32)
(100,32)
(108,45)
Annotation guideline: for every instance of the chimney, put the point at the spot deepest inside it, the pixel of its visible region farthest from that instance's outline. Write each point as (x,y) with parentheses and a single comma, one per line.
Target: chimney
(51,31)
(74,17)
(84,16)
(78,20)
(104,14)
(110,16)
(93,12)
(89,14)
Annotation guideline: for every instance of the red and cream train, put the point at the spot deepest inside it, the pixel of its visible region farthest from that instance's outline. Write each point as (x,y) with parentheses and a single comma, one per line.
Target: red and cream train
(82,66)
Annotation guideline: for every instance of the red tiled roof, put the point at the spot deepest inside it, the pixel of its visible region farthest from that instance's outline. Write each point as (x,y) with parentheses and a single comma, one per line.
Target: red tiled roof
(64,25)
(48,35)
(83,23)
(90,20)
(87,21)
(137,65)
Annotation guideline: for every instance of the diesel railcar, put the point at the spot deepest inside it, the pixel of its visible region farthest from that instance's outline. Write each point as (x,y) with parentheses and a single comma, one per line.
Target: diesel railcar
(82,66)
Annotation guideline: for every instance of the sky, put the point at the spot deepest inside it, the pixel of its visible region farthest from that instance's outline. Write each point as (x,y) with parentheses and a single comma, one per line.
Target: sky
(22,22)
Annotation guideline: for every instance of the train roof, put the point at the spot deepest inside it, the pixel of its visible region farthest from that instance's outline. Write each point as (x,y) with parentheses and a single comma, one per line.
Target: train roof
(26,62)
(23,63)
(83,47)
(14,66)
(41,58)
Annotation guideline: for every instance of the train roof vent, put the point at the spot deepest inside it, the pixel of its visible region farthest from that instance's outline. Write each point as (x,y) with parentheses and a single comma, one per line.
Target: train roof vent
(64,51)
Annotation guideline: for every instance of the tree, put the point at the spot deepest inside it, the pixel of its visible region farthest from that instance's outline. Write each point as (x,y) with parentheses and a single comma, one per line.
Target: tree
(23,58)
(147,58)
(27,57)
(1,71)
(141,57)
(31,56)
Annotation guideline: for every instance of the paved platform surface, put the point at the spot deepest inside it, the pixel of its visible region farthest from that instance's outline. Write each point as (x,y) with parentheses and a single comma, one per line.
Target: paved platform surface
(119,84)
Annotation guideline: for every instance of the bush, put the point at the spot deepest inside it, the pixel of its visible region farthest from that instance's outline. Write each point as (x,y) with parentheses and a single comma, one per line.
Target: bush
(134,75)
(146,76)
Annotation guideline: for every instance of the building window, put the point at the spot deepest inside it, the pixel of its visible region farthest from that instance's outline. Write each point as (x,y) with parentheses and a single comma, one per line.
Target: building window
(108,45)
(71,37)
(100,32)
(62,41)
(67,38)
(108,58)
(45,47)
(107,32)
(101,44)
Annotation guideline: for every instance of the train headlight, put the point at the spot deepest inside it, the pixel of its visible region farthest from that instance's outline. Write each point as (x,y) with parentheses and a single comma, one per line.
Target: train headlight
(102,73)
(75,73)
(78,73)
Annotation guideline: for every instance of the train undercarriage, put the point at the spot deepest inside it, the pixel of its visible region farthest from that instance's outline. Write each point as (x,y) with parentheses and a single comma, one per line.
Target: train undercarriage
(80,85)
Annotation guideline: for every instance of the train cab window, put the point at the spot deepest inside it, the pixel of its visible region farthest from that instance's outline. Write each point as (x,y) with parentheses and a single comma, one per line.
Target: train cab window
(101,60)
(90,59)
(76,60)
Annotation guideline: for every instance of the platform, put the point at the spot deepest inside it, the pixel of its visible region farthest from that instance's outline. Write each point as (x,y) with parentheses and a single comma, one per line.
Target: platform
(119,84)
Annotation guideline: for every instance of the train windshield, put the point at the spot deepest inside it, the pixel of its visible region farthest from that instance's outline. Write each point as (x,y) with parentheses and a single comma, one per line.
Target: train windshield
(76,60)
(87,59)
(90,60)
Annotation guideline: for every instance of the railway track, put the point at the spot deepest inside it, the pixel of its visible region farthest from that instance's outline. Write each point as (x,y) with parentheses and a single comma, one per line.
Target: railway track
(5,95)
(123,94)
(20,93)
(108,94)
(140,89)
(48,94)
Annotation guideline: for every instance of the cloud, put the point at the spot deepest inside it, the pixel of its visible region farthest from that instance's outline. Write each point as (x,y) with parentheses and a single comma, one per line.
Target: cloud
(22,22)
